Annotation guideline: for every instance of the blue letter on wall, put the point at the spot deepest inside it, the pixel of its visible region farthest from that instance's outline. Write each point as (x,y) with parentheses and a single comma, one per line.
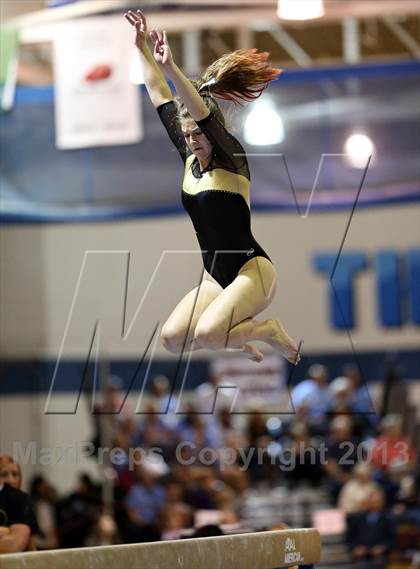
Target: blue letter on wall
(388,288)
(341,289)
(413,265)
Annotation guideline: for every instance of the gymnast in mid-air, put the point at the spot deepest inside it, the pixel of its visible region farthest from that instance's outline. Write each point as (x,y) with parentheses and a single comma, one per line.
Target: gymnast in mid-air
(239,278)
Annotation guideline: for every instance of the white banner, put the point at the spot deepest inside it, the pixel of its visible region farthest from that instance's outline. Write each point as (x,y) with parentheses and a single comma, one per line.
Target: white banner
(259,384)
(95,102)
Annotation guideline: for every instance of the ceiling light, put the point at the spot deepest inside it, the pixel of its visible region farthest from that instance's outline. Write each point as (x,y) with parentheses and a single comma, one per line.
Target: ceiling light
(358,148)
(263,125)
(300,9)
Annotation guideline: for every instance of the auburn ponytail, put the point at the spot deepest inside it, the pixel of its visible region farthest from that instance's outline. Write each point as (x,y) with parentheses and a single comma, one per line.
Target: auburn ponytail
(239,76)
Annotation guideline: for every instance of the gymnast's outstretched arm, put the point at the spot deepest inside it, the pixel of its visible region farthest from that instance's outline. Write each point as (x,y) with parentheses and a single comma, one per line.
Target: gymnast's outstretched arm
(184,88)
(156,84)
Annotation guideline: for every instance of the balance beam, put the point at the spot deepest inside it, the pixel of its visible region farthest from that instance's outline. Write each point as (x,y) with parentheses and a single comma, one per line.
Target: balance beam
(262,550)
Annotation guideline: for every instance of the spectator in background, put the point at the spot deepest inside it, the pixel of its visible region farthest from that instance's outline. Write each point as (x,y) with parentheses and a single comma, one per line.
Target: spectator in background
(312,393)
(317,426)
(341,390)
(12,475)
(305,457)
(391,445)
(153,432)
(113,401)
(174,518)
(360,399)
(144,502)
(405,504)
(402,489)
(260,466)
(342,454)
(200,493)
(256,427)
(225,501)
(175,493)
(17,520)
(356,491)
(11,471)
(229,433)
(197,431)
(44,501)
(78,513)
(209,398)
(166,402)
(121,464)
(127,428)
(104,532)
(176,514)
(237,480)
(371,534)
(109,413)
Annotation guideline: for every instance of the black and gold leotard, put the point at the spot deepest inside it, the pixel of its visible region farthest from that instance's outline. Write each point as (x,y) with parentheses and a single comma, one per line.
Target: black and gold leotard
(217,198)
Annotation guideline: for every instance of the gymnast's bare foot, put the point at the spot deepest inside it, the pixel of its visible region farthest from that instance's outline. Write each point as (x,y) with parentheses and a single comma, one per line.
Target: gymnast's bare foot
(253,353)
(280,340)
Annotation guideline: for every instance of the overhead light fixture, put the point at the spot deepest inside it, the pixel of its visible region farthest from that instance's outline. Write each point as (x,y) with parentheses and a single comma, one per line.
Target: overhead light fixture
(263,125)
(358,148)
(300,9)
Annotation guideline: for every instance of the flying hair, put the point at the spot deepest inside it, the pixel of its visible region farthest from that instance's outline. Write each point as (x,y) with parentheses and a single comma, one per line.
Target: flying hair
(240,76)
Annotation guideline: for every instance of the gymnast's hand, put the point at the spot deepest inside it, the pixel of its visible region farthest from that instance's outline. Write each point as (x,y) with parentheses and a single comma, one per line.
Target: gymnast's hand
(138,20)
(161,51)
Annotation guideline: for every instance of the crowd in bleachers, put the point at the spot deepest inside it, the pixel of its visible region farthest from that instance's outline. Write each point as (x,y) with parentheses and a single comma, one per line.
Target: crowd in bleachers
(173,472)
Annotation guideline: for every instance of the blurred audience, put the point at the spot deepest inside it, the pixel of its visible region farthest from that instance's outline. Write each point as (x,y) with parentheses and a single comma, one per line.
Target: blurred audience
(209,459)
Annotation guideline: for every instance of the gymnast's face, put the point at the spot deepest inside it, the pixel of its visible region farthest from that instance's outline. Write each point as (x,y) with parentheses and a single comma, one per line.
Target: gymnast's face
(196,140)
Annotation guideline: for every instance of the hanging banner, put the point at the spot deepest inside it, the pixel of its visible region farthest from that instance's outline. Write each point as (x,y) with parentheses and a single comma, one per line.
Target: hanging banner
(257,384)
(95,102)
(9,52)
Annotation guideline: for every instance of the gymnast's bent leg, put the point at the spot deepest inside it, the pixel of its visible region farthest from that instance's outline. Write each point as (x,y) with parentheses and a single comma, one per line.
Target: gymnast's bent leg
(178,331)
(228,321)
